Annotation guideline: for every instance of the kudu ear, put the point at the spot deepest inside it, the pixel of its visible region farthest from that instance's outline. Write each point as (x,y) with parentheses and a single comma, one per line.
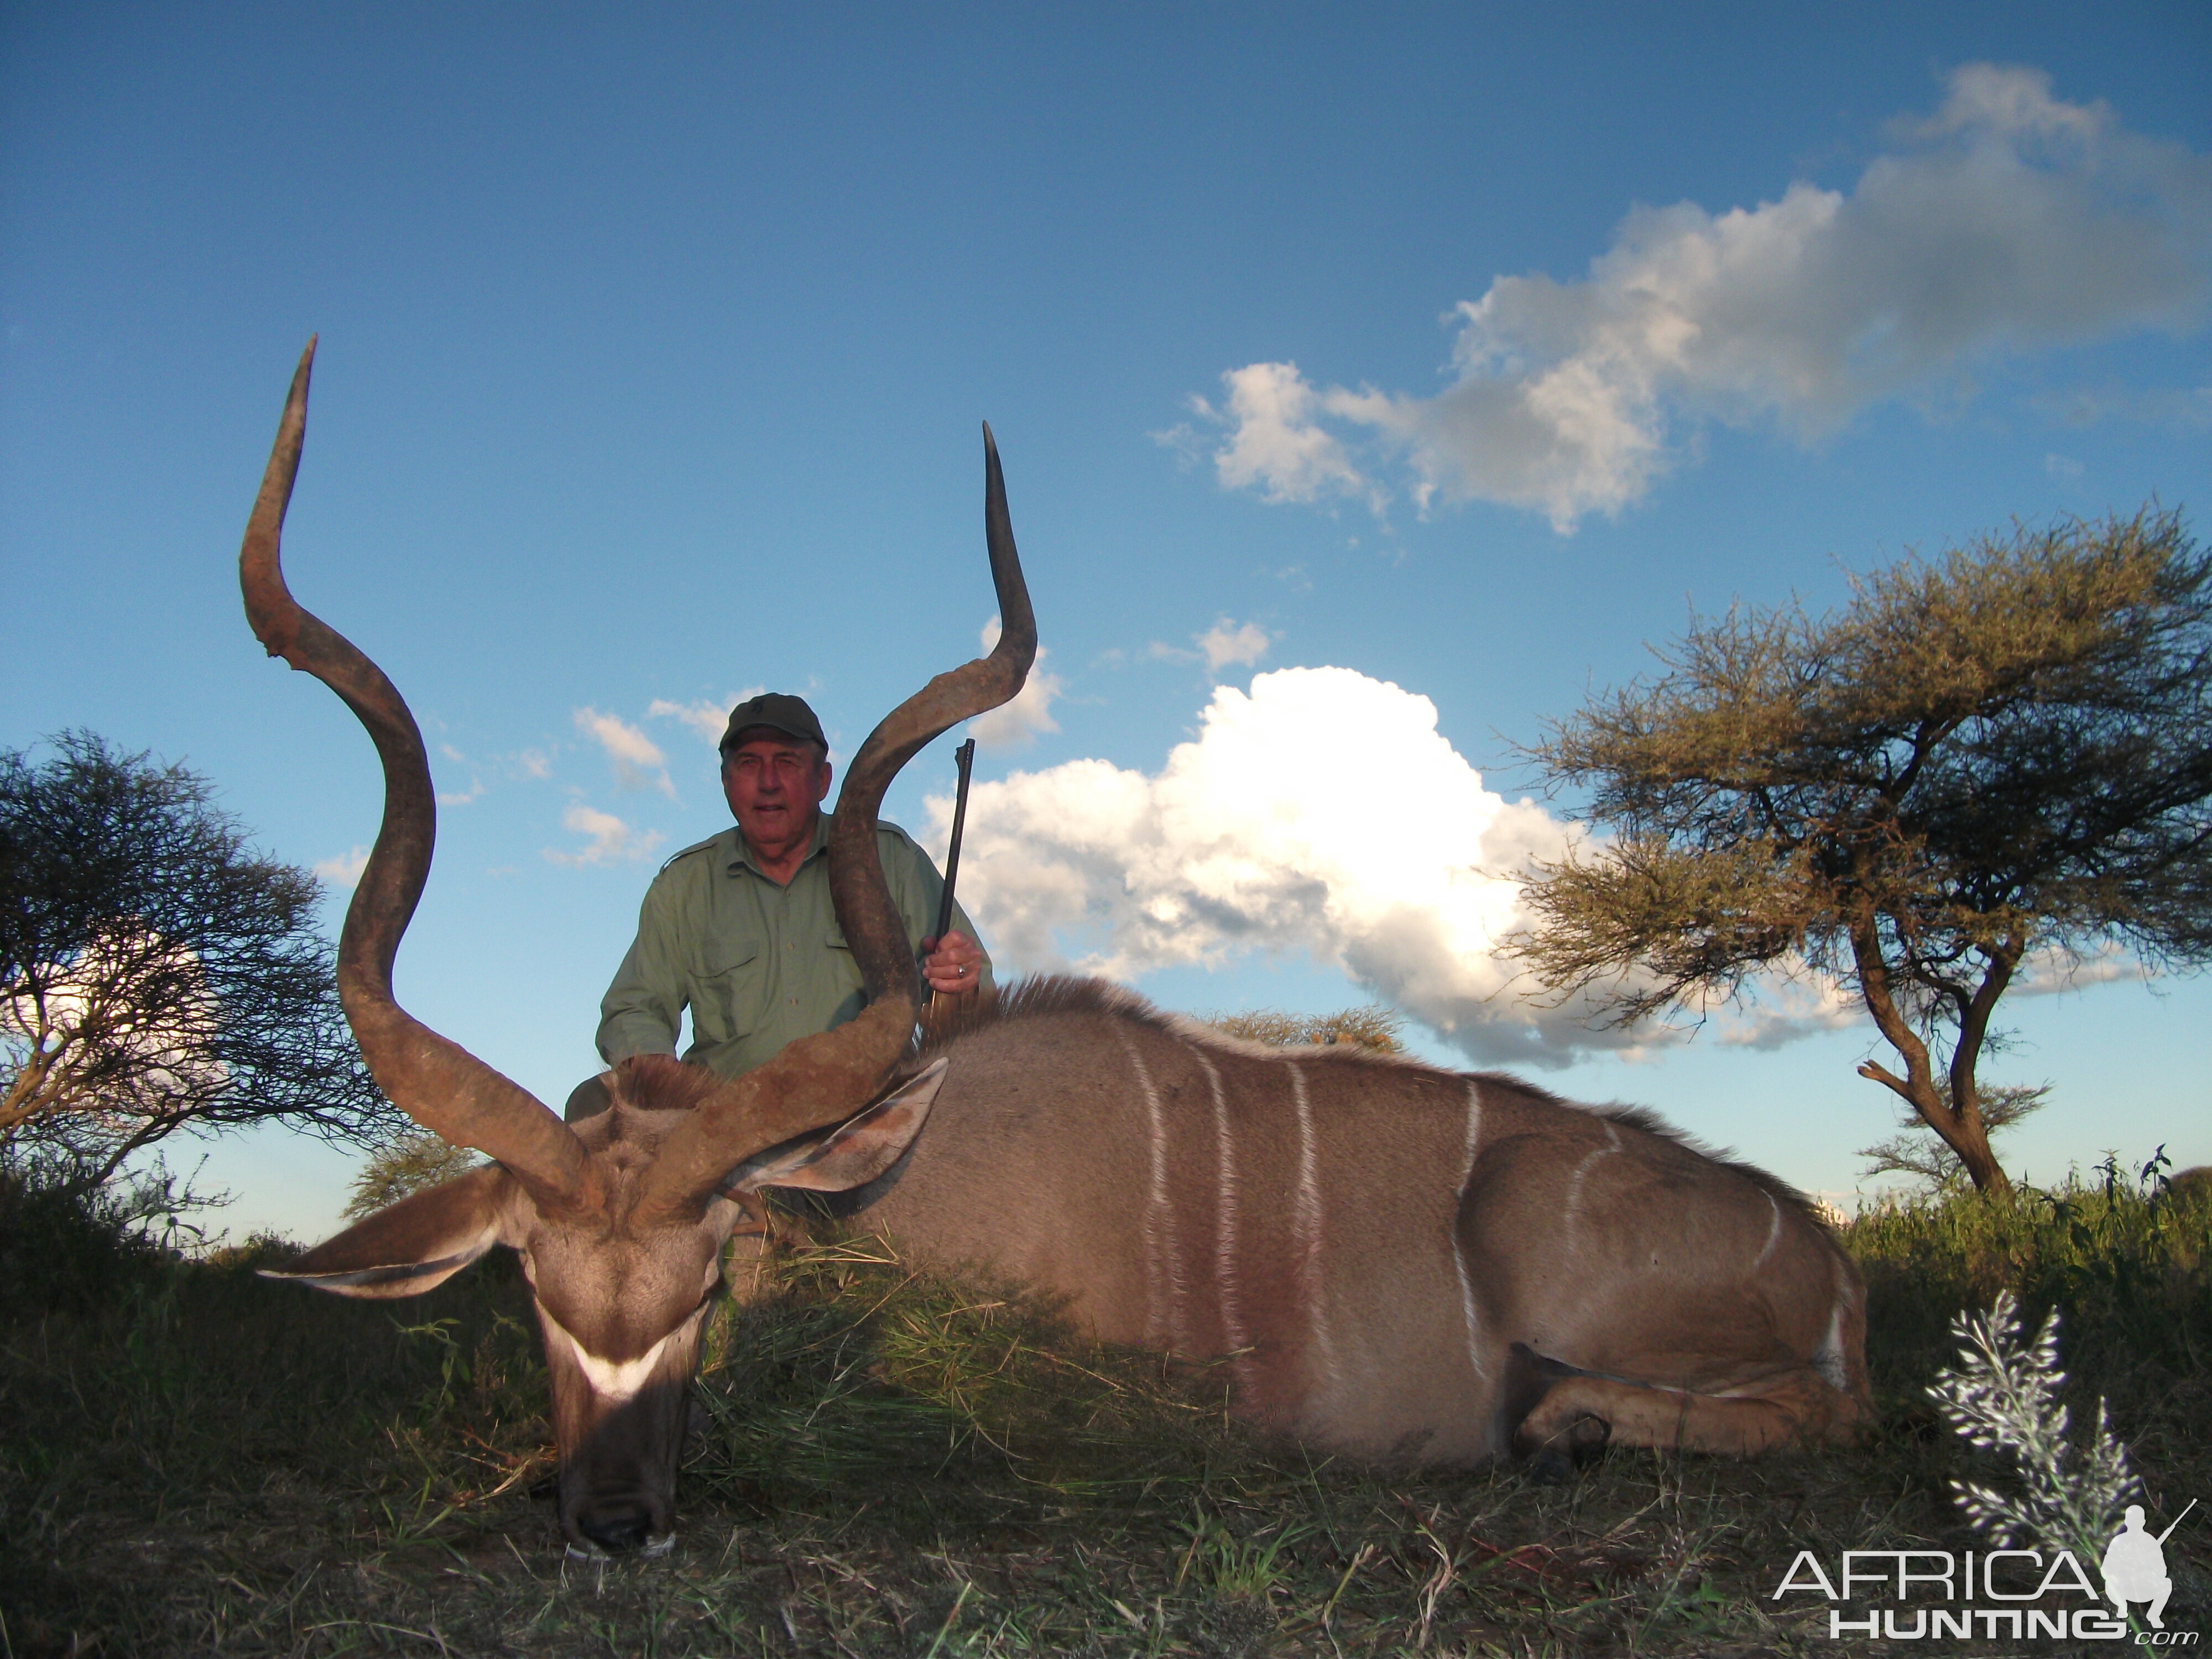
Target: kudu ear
(415,1244)
(853,1153)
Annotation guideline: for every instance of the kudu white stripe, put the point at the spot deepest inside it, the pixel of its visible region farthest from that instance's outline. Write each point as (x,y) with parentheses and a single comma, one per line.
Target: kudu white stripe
(1226,1206)
(616,1380)
(1574,1184)
(1773,1232)
(1309,1223)
(1451,1222)
(1163,1264)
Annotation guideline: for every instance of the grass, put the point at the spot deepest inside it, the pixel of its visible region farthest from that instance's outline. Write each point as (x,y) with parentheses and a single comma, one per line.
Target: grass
(195,1461)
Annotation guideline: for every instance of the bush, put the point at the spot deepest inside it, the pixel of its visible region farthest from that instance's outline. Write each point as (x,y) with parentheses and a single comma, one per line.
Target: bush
(2125,1256)
(67,1249)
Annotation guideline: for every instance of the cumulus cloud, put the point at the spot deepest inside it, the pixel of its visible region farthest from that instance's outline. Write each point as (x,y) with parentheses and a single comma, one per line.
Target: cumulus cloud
(345,869)
(1249,839)
(637,760)
(2009,222)
(1275,444)
(709,717)
(608,840)
(1221,645)
(1016,724)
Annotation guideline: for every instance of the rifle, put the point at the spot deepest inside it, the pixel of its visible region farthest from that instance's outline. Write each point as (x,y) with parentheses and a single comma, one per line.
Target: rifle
(2177,1521)
(964,757)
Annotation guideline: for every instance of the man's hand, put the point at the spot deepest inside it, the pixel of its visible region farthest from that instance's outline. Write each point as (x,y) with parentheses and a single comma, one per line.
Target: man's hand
(953,965)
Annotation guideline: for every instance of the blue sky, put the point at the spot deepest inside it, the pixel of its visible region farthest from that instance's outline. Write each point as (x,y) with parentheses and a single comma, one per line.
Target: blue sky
(1340,359)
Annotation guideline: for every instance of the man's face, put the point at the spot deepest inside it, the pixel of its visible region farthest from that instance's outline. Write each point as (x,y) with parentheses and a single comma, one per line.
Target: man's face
(773,784)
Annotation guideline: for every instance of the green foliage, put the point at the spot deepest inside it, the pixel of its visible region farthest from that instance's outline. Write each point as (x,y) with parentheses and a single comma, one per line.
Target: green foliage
(1371,1027)
(409,1164)
(155,973)
(2129,1260)
(2003,751)
(64,1249)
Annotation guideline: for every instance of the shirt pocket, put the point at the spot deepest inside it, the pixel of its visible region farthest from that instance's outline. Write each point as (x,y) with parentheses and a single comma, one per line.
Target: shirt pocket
(844,977)
(728,1004)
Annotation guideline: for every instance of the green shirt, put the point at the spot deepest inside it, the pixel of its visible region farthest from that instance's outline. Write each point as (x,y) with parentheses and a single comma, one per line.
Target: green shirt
(757,964)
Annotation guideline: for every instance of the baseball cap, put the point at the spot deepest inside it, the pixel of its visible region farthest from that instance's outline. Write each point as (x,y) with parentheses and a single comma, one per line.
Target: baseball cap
(780,712)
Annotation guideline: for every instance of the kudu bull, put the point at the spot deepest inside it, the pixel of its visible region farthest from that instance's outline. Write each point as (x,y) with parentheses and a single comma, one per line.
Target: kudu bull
(1396,1262)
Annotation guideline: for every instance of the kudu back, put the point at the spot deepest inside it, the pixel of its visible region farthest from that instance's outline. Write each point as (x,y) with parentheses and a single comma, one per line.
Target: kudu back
(620,1223)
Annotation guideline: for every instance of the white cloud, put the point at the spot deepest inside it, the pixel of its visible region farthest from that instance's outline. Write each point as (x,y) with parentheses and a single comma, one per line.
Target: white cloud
(1223,644)
(345,869)
(610,841)
(709,717)
(1276,444)
(2047,971)
(1018,722)
(2010,222)
(1404,876)
(637,760)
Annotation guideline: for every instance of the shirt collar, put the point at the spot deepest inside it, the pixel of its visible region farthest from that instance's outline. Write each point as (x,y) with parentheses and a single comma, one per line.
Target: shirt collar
(741,856)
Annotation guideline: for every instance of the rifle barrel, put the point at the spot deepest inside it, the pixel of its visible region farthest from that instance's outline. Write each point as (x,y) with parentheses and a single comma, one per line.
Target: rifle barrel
(964,755)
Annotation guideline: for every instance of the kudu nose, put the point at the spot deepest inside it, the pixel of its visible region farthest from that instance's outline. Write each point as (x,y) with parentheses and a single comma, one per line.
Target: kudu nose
(617,1528)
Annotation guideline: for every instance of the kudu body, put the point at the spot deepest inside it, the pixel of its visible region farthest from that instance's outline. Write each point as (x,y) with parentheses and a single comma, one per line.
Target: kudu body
(1398,1262)
(1394,1262)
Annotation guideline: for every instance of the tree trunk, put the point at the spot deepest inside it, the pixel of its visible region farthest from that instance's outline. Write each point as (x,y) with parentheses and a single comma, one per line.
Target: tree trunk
(1960,1123)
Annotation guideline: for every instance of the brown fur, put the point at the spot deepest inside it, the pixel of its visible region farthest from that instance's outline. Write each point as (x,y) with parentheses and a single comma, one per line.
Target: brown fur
(1368,1241)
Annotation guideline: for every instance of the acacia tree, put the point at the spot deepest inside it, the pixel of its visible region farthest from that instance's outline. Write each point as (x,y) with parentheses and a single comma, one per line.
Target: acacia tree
(2002,752)
(155,973)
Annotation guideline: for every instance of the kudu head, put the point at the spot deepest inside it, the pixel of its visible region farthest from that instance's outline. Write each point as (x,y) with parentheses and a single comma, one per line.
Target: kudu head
(620,1222)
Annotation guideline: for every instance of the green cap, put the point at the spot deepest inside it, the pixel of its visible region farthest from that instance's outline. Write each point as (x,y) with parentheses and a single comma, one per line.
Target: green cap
(780,712)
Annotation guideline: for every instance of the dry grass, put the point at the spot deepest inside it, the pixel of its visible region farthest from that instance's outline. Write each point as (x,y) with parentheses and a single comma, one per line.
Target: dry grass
(205,1463)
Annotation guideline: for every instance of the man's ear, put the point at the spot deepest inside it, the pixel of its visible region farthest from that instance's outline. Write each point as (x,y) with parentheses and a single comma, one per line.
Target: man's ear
(405,1248)
(853,1153)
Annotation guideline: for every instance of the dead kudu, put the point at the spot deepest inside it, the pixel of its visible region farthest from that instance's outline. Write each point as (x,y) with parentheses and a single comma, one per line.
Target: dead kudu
(1395,1262)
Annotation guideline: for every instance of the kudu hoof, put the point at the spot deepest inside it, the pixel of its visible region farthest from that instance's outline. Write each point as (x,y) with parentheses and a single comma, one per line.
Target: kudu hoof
(1555,1461)
(1550,1468)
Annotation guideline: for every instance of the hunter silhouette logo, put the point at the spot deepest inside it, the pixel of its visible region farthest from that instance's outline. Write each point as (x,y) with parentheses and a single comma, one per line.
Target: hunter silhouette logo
(2135,1566)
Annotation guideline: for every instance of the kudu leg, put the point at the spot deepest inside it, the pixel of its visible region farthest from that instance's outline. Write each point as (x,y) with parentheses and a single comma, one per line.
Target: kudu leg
(1785,1408)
